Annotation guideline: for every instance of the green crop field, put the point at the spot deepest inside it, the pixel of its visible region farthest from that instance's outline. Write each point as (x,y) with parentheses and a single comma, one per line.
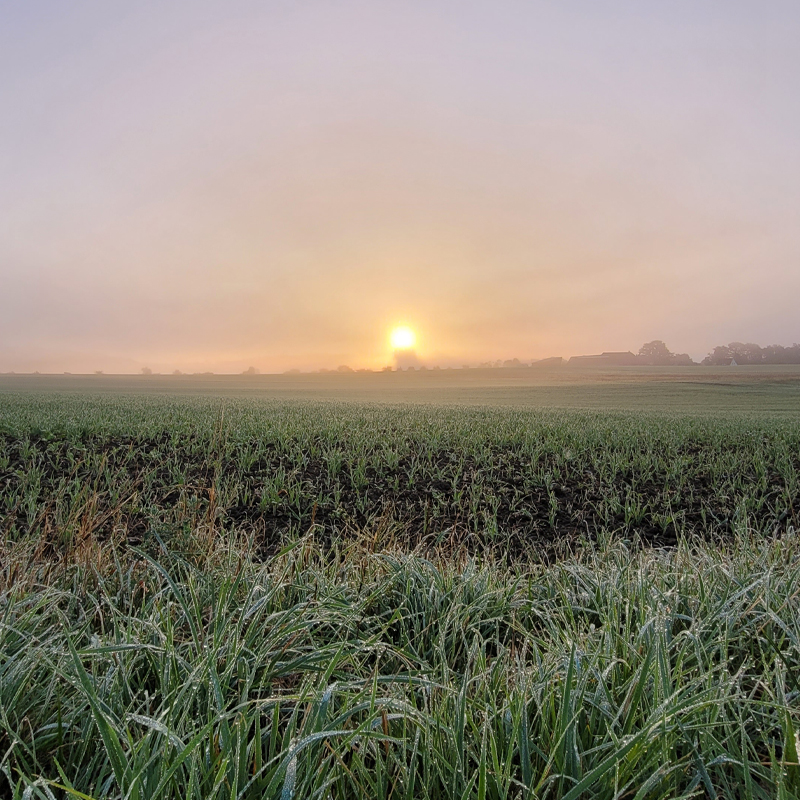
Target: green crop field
(694,390)
(442,584)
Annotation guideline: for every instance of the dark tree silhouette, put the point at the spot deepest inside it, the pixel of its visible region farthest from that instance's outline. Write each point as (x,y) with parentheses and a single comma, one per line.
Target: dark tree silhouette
(750,353)
(746,353)
(655,352)
(655,349)
(719,356)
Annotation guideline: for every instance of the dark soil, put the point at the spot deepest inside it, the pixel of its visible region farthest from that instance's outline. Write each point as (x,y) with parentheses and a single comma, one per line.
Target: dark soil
(61,488)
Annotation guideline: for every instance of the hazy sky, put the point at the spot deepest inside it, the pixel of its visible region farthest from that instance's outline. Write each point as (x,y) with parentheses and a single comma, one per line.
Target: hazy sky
(203,185)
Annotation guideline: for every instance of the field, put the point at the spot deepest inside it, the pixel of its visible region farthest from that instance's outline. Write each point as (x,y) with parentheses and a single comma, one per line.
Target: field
(694,390)
(471,584)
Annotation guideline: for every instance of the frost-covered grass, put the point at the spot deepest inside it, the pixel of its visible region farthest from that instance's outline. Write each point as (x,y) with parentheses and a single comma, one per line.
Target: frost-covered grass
(517,478)
(211,601)
(613,673)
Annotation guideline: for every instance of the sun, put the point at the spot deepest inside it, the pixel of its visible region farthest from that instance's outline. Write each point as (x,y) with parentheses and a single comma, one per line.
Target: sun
(402,338)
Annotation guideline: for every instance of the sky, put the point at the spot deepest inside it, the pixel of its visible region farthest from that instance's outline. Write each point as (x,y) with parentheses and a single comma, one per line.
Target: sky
(212,186)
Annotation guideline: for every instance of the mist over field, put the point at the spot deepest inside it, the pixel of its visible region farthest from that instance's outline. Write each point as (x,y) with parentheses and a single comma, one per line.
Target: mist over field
(207,187)
(399,400)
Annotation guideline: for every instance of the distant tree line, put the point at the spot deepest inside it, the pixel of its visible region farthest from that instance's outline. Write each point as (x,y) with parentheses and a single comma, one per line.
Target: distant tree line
(749,353)
(657,354)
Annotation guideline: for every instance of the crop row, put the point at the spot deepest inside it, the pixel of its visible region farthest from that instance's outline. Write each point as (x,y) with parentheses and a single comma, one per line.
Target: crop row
(517,478)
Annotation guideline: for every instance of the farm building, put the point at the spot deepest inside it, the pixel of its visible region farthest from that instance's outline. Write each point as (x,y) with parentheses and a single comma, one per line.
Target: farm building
(607,359)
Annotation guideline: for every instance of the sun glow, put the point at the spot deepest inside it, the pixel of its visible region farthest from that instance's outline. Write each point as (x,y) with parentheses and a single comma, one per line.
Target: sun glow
(402,338)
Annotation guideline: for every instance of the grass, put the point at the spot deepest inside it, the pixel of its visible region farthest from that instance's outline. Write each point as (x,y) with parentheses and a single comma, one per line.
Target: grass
(260,599)
(693,390)
(347,673)
(516,478)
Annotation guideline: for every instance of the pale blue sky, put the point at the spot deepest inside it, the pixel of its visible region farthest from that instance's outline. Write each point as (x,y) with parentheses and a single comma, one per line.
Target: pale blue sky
(212,185)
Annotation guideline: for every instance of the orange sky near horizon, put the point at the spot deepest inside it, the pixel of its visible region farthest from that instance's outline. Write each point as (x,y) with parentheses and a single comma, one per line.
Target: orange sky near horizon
(205,186)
